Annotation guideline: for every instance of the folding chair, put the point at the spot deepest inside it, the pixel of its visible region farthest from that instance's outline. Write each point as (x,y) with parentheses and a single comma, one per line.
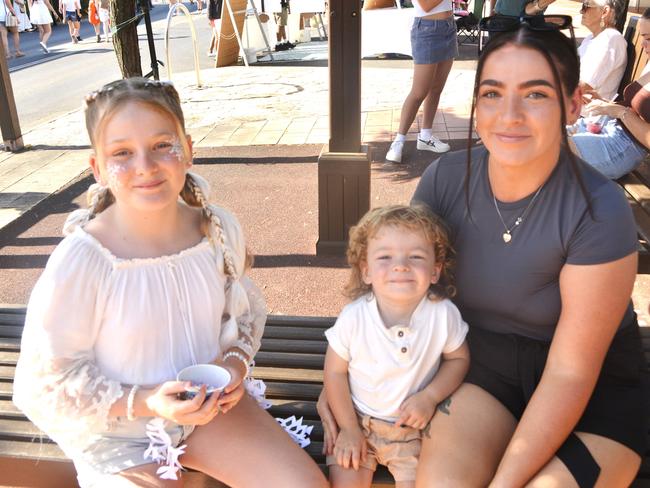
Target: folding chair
(467,29)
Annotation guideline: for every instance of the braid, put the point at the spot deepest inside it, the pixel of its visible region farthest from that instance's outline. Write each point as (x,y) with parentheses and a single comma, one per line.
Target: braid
(194,196)
(99,198)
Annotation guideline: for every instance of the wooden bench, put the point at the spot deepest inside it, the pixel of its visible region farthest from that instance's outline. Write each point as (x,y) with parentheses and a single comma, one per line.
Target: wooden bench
(290,362)
(637,183)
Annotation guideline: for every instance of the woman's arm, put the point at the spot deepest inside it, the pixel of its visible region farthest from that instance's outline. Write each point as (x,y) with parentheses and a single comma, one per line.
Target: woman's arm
(350,445)
(49,7)
(418,409)
(638,127)
(594,299)
(10,6)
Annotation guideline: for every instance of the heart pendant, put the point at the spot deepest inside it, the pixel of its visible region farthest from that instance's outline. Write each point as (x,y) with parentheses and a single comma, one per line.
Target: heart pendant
(506,237)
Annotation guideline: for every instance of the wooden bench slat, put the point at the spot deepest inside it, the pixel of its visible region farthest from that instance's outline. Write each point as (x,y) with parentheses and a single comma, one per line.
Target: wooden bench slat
(301,321)
(283,345)
(288,374)
(282,332)
(284,359)
(32,450)
(15,331)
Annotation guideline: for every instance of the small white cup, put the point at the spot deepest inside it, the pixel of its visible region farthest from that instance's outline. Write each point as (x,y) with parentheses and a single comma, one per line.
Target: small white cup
(214,377)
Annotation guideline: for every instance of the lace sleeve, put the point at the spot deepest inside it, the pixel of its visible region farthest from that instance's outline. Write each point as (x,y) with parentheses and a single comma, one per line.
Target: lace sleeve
(244,317)
(57,384)
(245,309)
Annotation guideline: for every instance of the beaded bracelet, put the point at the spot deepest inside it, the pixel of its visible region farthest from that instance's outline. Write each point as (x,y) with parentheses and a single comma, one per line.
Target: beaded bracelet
(240,356)
(129,403)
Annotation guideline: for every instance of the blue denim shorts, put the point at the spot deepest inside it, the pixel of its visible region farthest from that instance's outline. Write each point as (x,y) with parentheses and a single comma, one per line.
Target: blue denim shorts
(433,41)
(612,152)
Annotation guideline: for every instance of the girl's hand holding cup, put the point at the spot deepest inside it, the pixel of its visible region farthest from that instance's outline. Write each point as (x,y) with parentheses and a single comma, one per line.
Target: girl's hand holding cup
(165,401)
(235,390)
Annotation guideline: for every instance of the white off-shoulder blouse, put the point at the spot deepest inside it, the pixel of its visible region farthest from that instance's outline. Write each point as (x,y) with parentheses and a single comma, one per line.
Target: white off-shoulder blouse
(96,322)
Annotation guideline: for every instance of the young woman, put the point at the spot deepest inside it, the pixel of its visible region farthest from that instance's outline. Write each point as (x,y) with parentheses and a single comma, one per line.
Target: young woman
(434,47)
(39,15)
(546,264)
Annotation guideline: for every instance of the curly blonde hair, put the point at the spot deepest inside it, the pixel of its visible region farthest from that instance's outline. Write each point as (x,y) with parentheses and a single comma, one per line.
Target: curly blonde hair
(417,218)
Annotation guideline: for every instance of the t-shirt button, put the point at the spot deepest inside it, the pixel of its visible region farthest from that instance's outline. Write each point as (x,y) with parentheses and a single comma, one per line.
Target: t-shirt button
(404,349)
(400,333)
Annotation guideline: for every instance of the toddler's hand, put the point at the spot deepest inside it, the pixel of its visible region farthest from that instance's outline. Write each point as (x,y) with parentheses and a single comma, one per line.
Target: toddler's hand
(350,448)
(416,411)
(163,402)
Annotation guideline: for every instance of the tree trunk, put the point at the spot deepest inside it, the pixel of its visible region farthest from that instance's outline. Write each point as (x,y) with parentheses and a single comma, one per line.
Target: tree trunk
(125,40)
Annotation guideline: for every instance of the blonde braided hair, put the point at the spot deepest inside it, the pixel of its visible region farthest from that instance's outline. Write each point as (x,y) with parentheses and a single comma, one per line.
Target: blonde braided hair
(194,194)
(98,199)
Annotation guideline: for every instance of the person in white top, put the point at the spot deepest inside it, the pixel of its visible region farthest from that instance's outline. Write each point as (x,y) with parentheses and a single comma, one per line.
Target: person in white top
(397,351)
(603,53)
(71,9)
(149,280)
(434,47)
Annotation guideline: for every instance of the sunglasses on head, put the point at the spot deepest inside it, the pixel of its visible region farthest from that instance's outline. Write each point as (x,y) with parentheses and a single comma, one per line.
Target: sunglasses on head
(586,6)
(506,23)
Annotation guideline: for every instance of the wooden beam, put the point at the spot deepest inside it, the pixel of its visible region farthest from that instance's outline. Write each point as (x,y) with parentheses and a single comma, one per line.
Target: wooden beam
(9,124)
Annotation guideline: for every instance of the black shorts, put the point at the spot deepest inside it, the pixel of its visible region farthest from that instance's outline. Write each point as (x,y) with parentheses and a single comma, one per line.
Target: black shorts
(509,367)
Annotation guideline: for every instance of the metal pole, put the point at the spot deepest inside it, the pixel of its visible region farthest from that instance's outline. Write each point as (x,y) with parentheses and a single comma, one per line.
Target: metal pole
(9,124)
(144,5)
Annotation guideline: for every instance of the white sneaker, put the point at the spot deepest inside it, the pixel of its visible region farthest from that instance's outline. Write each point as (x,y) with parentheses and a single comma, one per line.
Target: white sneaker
(394,154)
(434,144)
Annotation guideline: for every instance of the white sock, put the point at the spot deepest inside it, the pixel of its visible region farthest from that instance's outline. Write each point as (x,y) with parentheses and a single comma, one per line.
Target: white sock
(425,134)
(400,138)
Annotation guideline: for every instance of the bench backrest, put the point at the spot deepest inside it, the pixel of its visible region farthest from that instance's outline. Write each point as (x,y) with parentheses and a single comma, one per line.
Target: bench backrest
(636,56)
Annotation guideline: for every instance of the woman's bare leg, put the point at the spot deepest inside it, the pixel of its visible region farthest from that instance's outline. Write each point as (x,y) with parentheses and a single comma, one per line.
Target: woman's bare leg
(3,39)
(246,448)
(430,105)
(422,78)
(47,32)
(341,477)
(464,447)
(15,36)
(618,465)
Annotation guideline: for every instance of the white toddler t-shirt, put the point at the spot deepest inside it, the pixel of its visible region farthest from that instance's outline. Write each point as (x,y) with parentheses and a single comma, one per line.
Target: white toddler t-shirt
(387,365)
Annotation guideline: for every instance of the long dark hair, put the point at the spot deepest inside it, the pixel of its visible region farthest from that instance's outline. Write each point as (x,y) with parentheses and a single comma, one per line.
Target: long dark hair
(562,57)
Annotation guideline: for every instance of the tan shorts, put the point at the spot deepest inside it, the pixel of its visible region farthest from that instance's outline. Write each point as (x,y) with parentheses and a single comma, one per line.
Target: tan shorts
(397,448)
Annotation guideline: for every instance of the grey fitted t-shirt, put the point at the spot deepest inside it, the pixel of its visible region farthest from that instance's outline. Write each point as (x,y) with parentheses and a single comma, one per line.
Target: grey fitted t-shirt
(514,287)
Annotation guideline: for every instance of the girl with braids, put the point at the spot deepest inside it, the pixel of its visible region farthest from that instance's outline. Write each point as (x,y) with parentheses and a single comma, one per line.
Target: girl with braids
(555,394)
(144,284)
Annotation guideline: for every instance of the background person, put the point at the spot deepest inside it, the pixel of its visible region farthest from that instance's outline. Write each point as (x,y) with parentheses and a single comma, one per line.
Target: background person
(39,15)
(70,10)
(603,53)
(7,11)
(434,46)
(93,17)
(621,143)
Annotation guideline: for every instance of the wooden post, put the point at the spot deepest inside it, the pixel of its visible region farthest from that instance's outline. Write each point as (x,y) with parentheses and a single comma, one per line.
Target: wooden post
(9,124)
(343,167)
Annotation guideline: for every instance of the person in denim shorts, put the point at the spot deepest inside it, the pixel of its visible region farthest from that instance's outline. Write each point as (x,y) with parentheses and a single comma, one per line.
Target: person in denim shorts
(434,47)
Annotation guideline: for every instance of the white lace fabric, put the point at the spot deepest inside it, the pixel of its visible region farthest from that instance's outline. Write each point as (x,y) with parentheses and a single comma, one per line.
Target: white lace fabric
(96,323)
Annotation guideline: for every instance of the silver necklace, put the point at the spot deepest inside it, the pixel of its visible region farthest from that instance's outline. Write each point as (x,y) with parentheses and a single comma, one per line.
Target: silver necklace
(507,235)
